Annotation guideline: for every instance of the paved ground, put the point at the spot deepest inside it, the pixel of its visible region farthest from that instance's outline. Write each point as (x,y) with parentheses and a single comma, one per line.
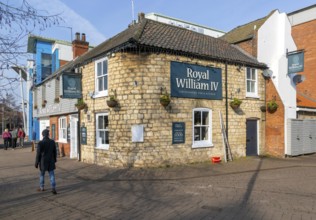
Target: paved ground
(251,188)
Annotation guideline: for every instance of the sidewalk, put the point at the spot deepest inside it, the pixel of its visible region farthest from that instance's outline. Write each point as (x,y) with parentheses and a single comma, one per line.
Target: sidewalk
(249,188)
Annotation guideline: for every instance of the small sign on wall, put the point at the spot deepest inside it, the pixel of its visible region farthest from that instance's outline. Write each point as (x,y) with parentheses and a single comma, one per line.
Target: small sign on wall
(137,133)
(178,132)
(83,131)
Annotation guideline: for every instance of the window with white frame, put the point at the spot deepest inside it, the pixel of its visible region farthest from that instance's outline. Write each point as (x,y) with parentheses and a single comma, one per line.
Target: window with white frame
(251,82)
(101,77)
(102,131)
(62,129)
(202,127)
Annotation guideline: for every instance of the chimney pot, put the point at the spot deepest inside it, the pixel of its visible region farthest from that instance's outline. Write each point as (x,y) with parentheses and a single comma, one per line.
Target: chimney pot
(77,36)
(83,37)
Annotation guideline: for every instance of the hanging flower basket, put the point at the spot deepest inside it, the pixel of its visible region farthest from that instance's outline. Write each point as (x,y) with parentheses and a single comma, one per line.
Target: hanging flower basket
(235,103)
(80,104)
(165,98)
(272,106)
(111,103)
(164,103)
(263,108)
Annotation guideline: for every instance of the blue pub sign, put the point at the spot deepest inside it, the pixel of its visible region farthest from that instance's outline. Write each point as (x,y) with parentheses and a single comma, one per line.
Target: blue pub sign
(195,81)
(72,86)
(295,62)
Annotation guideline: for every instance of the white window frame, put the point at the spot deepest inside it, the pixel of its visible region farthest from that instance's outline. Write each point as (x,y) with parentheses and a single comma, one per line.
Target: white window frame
(202,143)
(255,93)
(99,145)
(62,130)
(102,93)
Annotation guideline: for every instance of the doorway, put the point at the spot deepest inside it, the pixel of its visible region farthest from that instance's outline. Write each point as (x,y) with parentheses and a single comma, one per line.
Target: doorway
(73,136)
(252,137)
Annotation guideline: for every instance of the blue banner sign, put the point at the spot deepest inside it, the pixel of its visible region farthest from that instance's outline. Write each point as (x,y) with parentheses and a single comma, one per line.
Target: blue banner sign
(72,86)
(295,62)
(195,81)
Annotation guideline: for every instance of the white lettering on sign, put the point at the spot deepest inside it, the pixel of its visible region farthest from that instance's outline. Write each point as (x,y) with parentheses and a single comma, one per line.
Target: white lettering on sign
(193,81)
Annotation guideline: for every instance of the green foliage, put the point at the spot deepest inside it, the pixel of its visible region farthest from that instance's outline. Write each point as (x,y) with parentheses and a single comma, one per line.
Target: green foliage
(272,105)
(236,102)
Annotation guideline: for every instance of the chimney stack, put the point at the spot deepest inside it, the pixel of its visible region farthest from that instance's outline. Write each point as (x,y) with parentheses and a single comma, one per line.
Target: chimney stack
(141,16)
(79,46)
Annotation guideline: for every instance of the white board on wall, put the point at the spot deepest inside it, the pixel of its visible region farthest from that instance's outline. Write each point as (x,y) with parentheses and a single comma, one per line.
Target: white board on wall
(137,133)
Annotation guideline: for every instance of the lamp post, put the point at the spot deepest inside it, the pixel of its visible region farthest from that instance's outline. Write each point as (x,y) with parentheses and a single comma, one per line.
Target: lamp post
(23,75)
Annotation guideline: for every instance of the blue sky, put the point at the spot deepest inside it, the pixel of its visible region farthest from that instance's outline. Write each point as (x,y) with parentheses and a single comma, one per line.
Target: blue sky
(102,19)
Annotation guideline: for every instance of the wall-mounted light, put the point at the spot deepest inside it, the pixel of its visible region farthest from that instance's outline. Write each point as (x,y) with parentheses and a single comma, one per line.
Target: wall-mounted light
(239,68)
(90,94)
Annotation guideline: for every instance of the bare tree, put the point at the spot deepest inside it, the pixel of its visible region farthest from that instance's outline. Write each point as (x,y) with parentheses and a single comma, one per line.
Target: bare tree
(17,20)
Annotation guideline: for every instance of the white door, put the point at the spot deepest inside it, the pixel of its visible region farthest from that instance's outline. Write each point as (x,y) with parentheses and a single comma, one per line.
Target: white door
(73,136)
(43,124)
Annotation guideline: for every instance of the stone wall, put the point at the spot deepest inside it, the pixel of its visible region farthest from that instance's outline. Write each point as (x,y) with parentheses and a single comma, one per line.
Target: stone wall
(138,79)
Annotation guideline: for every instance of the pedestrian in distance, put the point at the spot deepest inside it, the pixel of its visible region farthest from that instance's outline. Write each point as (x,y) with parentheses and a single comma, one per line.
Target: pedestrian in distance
(21,136)
(14,136)
(46,157)
(6,138)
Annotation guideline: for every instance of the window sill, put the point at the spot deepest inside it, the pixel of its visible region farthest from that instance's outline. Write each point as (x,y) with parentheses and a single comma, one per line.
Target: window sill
(62,141)
(253,96)
(100,94)
(202,145)
(102,148)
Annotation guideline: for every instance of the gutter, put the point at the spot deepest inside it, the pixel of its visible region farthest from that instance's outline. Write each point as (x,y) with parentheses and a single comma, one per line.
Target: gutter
(306,109)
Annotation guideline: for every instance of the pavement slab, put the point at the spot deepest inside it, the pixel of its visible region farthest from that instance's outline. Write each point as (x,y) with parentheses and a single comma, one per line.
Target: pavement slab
(247,188)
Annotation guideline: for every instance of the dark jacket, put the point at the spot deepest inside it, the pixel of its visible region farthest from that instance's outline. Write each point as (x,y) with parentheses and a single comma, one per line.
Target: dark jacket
(46,155)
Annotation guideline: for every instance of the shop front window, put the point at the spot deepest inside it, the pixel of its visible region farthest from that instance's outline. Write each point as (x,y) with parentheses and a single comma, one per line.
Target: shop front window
(202,128)
(102,131)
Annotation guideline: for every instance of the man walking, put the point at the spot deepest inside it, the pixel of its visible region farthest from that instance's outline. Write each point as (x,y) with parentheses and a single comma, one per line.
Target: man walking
(14,134)
(46,157)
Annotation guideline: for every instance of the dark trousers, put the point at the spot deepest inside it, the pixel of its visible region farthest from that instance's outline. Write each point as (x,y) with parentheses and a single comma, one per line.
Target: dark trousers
(14,140)
(6,143)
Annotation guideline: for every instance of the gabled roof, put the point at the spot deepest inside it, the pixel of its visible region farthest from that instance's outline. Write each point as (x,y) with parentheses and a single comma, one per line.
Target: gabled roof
(33,38)
(246,31)
(163,37)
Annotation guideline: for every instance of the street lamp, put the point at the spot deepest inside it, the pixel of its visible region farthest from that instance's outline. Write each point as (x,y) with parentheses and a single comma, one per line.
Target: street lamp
(23,74)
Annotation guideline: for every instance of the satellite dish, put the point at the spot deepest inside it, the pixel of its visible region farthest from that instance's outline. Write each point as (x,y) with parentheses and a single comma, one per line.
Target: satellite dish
(267,73)
(298,79)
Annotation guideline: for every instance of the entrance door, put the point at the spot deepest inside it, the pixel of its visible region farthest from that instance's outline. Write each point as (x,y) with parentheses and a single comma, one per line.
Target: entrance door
(252,138)
(73,136)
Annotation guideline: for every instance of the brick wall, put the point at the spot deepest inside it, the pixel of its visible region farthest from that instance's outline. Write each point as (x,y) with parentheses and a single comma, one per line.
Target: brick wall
(64,148)
(305,38)
(139,104)
(274,124)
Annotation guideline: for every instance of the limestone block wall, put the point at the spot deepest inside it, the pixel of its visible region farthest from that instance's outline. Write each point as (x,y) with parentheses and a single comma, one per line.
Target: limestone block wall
(138,79)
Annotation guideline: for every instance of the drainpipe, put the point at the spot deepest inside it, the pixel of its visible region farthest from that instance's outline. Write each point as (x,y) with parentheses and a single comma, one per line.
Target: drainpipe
(226,99)
(78,135)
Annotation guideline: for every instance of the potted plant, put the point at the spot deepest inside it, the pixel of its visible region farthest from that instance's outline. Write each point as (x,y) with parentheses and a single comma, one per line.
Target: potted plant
(272,106)
(263,108)
(35,106)
(165,98)
(235,103)
(80,104)
(44,103)
(112,101)
(56,100)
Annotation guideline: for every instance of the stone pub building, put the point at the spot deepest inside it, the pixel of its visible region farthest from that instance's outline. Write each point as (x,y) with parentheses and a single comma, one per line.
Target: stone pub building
(201,74)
